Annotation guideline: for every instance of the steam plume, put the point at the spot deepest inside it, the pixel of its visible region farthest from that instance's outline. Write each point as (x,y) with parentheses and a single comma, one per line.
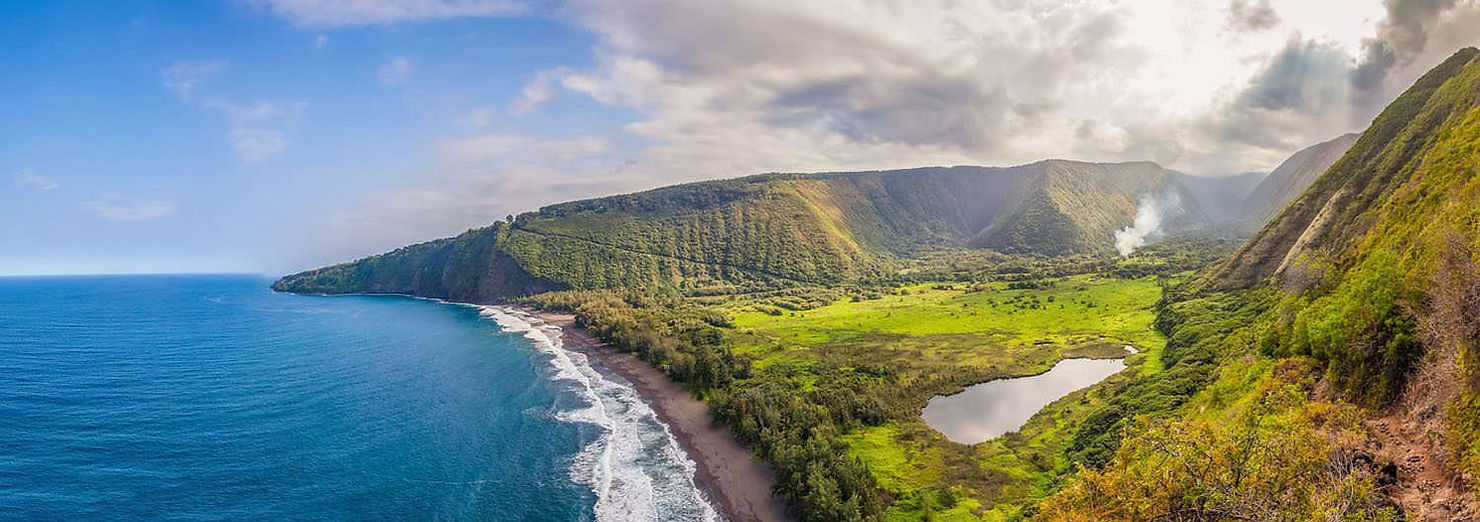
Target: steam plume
(1147,223)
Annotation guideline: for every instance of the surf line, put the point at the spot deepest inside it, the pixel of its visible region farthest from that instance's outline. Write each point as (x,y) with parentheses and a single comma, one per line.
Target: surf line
(636,467)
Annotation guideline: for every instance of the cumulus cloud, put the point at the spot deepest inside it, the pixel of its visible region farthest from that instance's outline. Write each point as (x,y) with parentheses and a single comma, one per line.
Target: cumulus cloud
(260,112)
(29,179)
(833,85)
(1304,90)
(1314,86)
(536,91)
(1401,48)
(1246,16)
(742,87)
(119,207)
(345,13)
(185,77)
(395,71)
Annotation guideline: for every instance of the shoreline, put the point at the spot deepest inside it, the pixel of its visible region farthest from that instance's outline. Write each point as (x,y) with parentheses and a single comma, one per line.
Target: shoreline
(738,484)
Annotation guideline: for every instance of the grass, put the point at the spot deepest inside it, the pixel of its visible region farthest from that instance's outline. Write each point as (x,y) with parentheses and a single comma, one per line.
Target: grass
(948,323)
(951,336)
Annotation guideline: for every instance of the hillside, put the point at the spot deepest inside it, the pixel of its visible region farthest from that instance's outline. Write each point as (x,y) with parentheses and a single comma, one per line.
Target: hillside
(772,229)
(1352,390)
(1374,178)
(1326,370)
(1289,180)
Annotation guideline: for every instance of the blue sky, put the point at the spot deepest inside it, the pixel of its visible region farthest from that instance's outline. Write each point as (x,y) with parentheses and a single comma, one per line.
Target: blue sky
(118,170)
(274,135)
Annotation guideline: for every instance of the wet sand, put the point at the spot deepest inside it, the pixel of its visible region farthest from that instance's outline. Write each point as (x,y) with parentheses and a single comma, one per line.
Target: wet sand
(738,484)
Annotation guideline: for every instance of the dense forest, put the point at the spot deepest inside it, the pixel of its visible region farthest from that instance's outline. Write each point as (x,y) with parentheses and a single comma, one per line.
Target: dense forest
(1324,369)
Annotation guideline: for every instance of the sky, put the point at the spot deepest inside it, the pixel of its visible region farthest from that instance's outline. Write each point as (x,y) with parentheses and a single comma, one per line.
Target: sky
(269,136)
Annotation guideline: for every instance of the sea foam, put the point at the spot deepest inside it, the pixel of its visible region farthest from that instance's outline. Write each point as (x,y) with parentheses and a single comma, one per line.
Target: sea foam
(635,466)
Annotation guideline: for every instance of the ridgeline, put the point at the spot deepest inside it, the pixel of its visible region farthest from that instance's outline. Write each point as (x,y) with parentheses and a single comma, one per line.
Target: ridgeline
(1328,369)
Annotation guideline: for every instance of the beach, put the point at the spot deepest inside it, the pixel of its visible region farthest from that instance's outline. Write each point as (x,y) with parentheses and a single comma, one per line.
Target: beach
(737,483)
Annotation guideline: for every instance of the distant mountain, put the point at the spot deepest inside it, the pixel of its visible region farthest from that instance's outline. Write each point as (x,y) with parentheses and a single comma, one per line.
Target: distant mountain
(1290,179)
(809,228)
(1221,198)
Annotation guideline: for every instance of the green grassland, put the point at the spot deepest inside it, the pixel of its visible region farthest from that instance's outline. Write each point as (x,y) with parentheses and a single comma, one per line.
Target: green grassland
(984,324)
(940,337)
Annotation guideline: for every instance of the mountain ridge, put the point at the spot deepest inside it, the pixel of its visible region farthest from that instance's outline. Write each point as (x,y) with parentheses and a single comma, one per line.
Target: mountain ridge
(1371,169)
(1287,181)
(818,228)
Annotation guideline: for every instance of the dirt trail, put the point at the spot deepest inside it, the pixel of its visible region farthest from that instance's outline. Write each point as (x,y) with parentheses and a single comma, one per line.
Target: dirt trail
(1426,489)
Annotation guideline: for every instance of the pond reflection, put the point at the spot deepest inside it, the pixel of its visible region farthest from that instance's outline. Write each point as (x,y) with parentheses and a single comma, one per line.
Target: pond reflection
(991,409)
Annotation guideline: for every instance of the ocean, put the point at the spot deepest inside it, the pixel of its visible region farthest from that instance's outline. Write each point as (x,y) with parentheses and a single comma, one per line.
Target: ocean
(213,398)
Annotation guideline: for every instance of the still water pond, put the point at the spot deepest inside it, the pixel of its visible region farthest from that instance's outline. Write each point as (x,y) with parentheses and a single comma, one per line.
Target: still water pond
(991,409)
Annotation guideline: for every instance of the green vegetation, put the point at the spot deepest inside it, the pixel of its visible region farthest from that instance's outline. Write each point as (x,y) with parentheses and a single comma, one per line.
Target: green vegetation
(767,232)
(468,268)
(1399,215)
(1268,459)
(828,383)
(817,315)
(1371,278)
(932,339)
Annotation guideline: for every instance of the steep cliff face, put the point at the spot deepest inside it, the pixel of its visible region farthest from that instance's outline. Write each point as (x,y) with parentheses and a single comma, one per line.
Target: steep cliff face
(1364,255)
(1388,170)
(1362,292)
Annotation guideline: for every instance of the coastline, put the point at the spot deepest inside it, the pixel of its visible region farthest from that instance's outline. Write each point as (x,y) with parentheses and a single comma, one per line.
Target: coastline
(738,484)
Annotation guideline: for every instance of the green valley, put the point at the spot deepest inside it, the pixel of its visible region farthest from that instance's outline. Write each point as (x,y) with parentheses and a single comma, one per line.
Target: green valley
(1325,369)
(935,338)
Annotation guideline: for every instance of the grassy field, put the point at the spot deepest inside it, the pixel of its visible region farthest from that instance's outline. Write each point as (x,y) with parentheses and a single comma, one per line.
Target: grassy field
(981,324)
(943,337)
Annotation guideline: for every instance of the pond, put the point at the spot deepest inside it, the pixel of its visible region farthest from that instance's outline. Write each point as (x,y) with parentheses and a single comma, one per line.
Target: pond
(990,409)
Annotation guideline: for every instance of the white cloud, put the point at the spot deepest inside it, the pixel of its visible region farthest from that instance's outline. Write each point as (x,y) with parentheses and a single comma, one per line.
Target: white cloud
(395,71)
(255,145)
(849,83)
(184,77)
(1246,16)
(119,207)
(536,91)
(256,130)
(342,13)
(27,178)
(748,86)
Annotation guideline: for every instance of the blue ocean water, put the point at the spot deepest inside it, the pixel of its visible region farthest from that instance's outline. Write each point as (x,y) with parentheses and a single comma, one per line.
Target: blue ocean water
(213,398)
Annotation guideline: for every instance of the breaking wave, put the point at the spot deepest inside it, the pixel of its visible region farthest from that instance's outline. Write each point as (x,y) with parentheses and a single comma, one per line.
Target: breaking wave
(635,465)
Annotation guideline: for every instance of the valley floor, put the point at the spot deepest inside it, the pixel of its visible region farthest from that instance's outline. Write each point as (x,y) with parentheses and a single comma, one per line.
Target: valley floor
(938,337)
